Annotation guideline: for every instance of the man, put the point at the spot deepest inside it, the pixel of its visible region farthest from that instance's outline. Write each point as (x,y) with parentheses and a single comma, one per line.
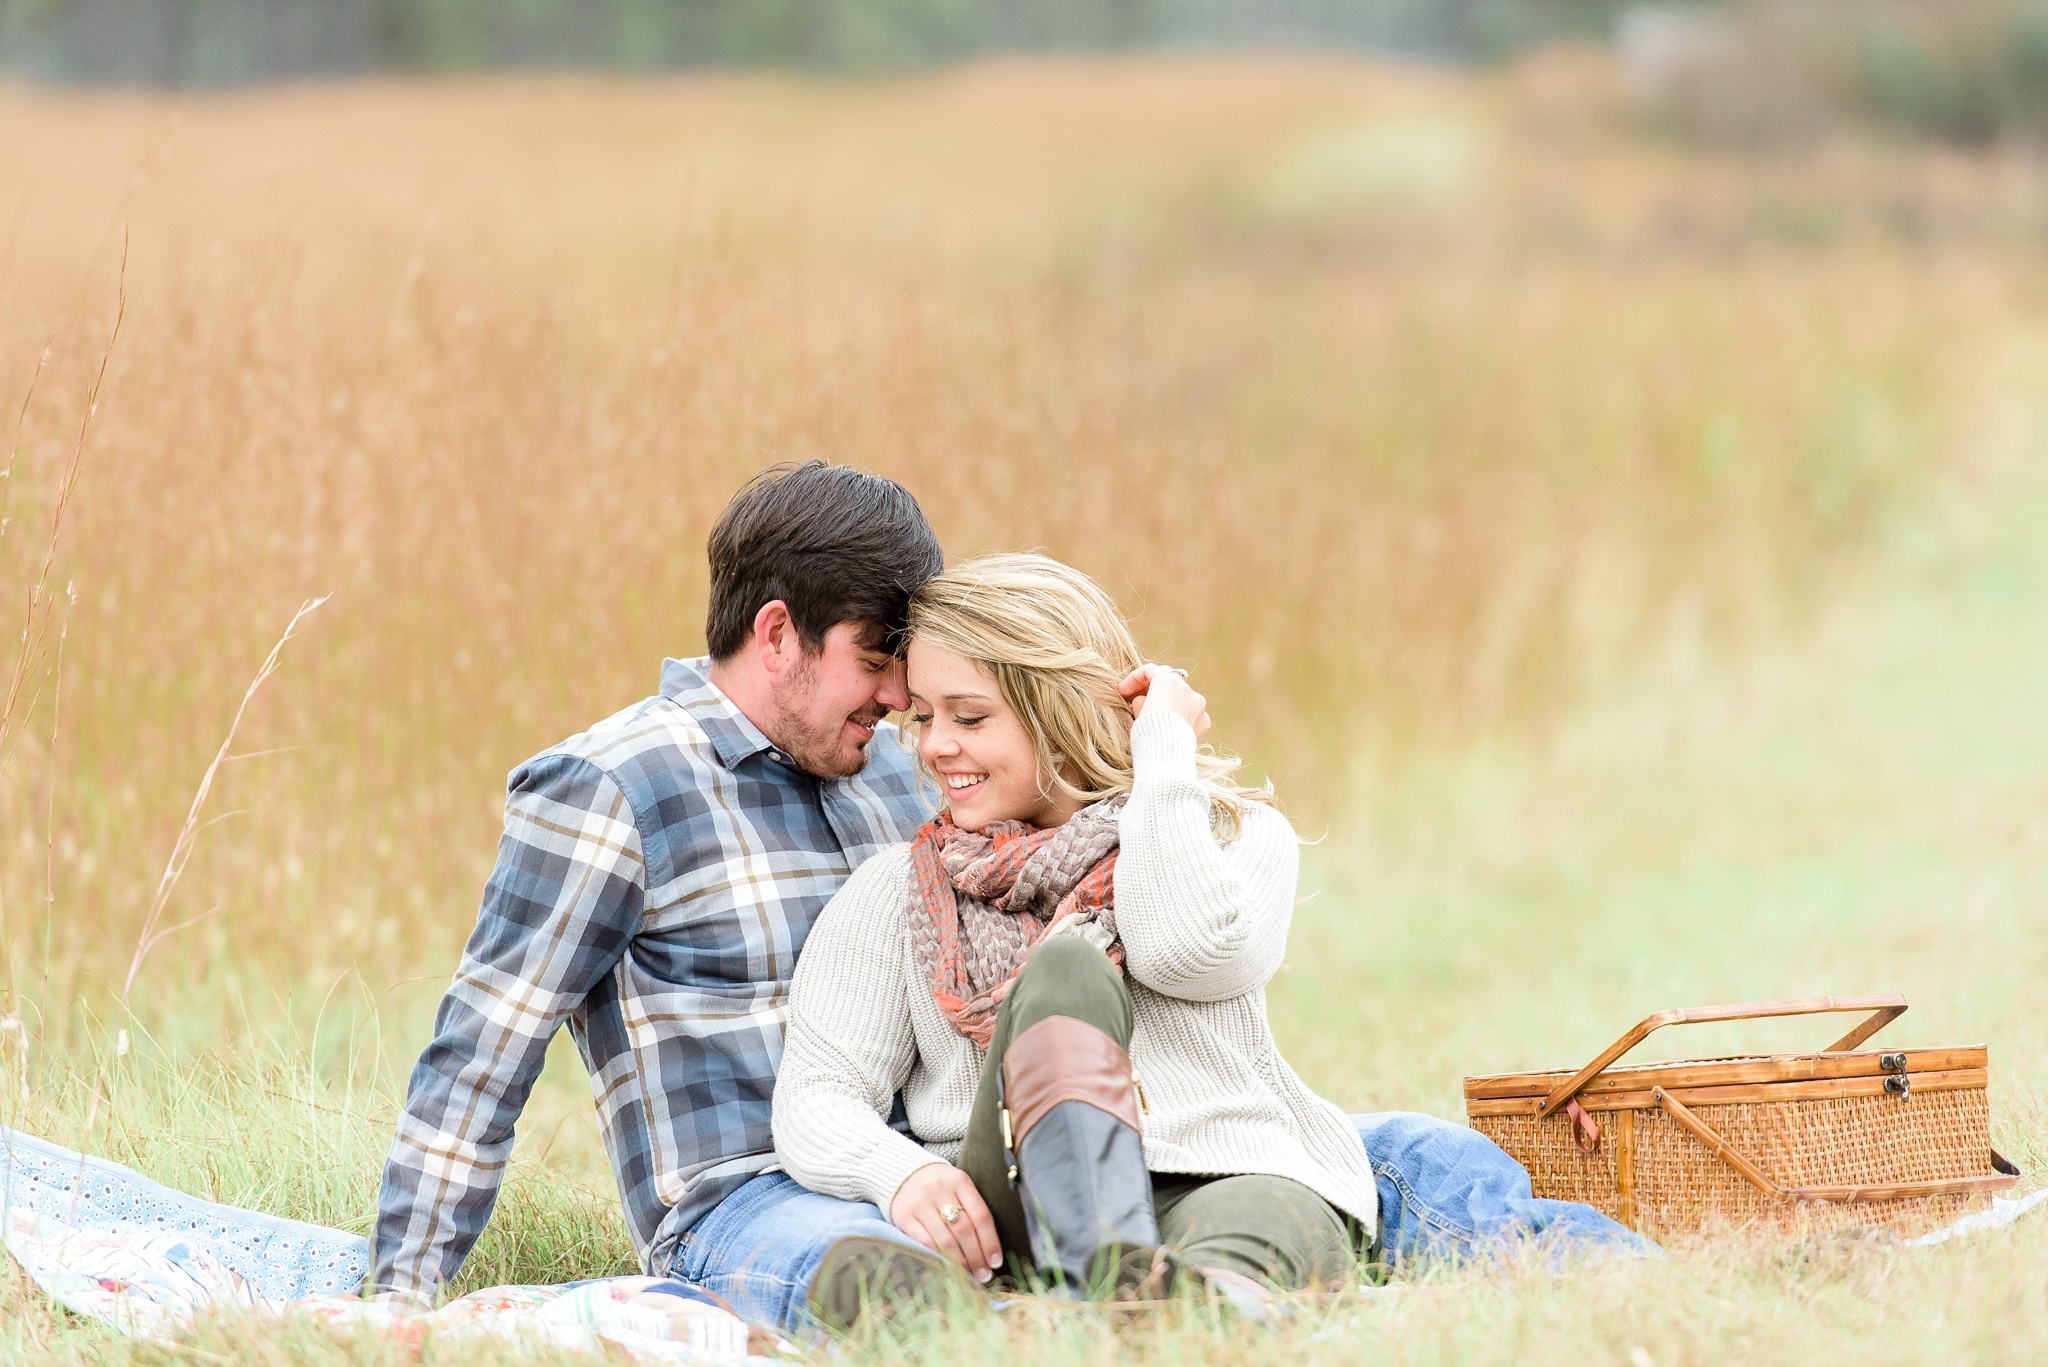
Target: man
(656,880)
(655,883)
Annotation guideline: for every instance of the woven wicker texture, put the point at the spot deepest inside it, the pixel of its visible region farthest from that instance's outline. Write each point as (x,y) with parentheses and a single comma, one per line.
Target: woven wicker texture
(1676,1185)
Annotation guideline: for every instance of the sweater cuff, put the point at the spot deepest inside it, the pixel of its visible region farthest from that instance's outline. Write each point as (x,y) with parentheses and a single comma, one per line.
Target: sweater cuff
(891,1166)
(1162,746)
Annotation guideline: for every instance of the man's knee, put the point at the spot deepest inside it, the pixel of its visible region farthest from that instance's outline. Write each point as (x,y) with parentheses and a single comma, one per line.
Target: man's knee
(1067,976)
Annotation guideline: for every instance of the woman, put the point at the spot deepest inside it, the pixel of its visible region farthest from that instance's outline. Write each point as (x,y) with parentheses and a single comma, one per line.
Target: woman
(1063,975)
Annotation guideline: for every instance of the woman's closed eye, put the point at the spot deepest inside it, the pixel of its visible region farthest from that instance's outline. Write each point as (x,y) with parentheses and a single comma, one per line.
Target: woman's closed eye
(925,719)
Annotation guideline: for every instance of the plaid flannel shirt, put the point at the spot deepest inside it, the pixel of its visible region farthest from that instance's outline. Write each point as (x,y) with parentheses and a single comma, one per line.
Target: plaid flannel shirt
(656,880)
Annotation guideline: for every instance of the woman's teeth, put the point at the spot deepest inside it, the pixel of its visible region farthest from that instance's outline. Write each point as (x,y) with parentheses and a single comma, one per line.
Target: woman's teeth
(958,781)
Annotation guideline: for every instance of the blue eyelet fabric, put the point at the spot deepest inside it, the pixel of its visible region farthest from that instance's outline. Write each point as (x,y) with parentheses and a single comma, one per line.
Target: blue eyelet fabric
(283,1259)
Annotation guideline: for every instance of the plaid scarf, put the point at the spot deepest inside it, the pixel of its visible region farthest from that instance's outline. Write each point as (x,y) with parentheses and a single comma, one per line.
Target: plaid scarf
(980,900)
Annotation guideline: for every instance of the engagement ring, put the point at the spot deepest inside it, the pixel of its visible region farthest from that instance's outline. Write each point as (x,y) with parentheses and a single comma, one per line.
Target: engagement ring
(950,1213)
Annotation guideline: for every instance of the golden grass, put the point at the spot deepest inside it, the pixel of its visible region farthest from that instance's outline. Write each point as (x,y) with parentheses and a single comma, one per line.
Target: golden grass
(1405,407)
(1605,542)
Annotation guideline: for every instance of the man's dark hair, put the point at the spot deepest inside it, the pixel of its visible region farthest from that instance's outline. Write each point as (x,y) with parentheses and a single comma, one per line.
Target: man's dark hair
(832,543)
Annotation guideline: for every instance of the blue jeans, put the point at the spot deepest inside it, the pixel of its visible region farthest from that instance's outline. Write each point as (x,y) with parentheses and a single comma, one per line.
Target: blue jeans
(1445,1192)
(1448,1192)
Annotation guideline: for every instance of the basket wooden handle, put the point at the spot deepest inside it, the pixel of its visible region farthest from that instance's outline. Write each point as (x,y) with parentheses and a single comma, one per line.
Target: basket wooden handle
(1884,1009)
(1888,1191)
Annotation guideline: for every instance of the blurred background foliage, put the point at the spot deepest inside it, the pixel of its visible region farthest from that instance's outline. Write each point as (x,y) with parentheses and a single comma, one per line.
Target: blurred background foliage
(1761,71)
(1751,71)
(218,42)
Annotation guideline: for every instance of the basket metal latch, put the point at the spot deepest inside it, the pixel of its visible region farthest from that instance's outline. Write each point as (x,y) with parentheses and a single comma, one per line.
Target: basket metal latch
(1898,1084)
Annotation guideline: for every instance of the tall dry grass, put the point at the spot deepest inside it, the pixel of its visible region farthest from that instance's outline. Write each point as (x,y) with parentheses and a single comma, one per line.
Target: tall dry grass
(1416,411)
(1408,408)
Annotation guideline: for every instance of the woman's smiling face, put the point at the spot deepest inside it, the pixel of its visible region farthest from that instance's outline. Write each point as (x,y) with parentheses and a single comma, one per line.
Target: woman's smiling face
(976,744)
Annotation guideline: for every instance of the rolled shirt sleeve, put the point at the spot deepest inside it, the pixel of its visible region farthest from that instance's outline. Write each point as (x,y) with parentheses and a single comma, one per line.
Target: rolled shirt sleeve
(561,906)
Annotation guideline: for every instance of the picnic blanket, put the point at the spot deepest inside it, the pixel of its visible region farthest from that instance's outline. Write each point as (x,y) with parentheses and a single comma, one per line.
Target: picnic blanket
(2002,1211)
(108,1243)
(281,1260)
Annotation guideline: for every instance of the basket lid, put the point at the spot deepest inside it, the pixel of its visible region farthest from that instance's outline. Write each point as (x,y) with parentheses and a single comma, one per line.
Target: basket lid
(1729,1071)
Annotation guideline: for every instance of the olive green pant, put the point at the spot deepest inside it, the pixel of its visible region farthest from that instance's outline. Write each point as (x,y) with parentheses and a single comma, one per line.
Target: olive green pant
(1268,1228)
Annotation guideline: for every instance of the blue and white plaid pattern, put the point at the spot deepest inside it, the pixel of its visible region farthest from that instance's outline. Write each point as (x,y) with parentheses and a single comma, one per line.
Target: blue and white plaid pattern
(656,880)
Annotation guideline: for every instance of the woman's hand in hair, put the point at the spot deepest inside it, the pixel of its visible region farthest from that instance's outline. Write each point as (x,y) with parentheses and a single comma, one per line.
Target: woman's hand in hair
(920,1208)
(1167,687)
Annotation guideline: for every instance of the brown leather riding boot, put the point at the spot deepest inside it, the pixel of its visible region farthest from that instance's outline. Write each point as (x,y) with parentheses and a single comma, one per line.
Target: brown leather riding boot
(1071,1137)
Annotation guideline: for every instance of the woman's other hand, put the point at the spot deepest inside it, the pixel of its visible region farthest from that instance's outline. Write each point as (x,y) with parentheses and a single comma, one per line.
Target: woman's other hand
(922,1204)
(1167,687)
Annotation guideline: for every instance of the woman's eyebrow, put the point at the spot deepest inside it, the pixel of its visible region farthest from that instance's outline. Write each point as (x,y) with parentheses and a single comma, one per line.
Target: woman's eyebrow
(967,697)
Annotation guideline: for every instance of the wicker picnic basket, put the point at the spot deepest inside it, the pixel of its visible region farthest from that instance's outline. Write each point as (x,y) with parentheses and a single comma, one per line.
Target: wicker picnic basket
(1798,1142)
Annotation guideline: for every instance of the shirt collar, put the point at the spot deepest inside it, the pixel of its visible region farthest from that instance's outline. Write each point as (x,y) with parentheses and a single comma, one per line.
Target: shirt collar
(687,683)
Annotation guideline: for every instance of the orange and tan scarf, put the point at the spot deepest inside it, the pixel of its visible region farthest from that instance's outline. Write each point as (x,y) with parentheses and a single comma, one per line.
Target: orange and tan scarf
(980,900)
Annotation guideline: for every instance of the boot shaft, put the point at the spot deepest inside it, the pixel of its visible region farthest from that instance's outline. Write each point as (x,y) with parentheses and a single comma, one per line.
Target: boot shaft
(1072,1138)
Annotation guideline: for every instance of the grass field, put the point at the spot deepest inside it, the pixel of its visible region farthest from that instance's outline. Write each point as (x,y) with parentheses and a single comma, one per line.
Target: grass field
(1626,558)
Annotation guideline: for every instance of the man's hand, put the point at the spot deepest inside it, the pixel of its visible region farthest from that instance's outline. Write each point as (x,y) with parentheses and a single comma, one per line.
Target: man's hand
(922,1204)
(1165,686)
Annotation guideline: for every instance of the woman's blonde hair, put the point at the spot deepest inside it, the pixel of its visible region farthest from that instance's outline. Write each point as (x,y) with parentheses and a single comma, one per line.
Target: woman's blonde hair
(1058,646)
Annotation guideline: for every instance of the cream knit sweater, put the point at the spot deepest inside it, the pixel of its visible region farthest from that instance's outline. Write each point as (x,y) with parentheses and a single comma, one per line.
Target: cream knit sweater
(1203,925)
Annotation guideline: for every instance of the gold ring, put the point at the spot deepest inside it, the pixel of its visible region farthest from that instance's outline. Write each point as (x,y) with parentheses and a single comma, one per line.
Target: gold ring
(950,1213)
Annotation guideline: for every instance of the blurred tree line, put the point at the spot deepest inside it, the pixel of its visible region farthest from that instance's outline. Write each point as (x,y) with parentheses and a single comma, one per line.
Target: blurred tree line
(225,42)
(1729,70)
(1754,71)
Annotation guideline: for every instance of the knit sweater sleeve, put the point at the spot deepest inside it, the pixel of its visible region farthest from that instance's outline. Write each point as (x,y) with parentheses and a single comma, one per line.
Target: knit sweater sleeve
(850,1045)
(1199,919)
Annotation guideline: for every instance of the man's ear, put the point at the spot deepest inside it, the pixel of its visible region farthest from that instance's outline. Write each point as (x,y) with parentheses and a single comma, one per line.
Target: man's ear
(775,637)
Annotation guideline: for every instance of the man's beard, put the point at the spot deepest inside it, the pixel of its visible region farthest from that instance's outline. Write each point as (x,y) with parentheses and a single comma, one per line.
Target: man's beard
(817,749)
